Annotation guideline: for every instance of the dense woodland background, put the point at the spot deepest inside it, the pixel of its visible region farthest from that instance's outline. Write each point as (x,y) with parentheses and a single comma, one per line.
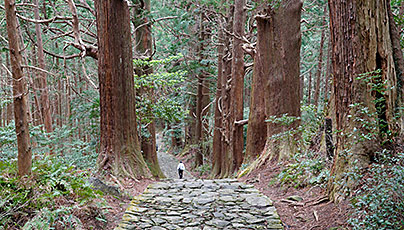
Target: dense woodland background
(234,87)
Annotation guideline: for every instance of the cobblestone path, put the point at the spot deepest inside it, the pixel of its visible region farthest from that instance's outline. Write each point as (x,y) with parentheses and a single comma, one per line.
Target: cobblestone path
(200,204)
(168,163)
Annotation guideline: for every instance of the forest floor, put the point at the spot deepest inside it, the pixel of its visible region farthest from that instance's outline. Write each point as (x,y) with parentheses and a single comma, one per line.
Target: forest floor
(311,209)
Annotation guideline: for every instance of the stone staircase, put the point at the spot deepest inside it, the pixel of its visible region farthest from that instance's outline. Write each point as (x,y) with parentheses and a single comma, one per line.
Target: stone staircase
(200,204)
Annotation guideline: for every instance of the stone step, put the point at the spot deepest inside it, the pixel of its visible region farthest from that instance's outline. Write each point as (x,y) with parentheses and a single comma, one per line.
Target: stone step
(200,204)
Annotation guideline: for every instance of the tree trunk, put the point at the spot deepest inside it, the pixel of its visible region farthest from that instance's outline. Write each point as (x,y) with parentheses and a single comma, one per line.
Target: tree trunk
(257,130)
(398,60)
(43,86)
(120,148)
(362,44)
(10,108)
(3,86)
(202,98)
(309,89)
(198,129)
(284,43)
(190,131)
(237,108)
(328,73)
(227,166)
(21,112)
(217,132)
(144,47)
(320,60)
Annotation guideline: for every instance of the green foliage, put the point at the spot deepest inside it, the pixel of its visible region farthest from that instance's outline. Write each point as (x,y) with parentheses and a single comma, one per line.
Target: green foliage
(307,169)
(40,195)
(160,92)
(398,17)
(379,202)
(283,120)
(310,121)
(204,169)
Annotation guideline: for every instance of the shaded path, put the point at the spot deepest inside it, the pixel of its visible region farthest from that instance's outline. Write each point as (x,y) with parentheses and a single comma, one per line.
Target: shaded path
(200,205)
(168,163)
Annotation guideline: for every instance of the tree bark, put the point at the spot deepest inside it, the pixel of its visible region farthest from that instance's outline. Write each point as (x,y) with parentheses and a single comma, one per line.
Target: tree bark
(44,98)
(237,107)
(257,130)
(120,148)
(217,133)
(20,92)
(284,43)
(227,166)
(202,98)
(361,40)
(398,60)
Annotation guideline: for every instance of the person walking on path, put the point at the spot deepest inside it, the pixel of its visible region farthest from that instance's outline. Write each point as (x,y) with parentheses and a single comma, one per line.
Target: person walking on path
(181,168)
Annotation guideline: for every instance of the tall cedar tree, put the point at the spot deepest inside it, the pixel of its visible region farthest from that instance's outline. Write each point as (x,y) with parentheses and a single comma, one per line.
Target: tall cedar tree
(320,60)
(143,50)
(20,91)
(217,132)
(282,93)
(235,154)
(202,100)
(257,130)
(226,98)
(362,42)
(279,36)
(43,86)
(120,148)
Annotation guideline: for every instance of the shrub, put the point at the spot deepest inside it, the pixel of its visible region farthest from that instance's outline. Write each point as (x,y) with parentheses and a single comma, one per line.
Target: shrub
(307,169)
(45,199)
(379,203)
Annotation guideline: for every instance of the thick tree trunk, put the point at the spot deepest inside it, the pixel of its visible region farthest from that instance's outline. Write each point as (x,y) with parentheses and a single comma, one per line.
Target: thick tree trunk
(360,36)
(257,130)
(237,107)
(282,40)
(217,132)
(43,86)
(20,92)
(120,148)
(144,47)
(320,60)
(284,43)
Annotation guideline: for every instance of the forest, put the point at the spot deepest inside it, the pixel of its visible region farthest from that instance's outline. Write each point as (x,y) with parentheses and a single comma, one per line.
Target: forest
(303,99)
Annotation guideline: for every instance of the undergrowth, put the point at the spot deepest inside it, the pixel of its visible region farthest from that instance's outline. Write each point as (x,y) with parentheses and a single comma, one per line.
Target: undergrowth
(305,167)
(379,201)
(54,196)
